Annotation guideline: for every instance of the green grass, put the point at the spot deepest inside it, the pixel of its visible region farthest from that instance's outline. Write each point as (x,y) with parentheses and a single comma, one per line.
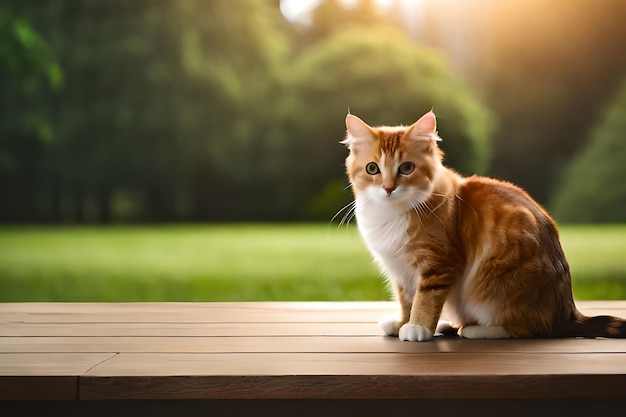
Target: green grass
(186,263)
(597,258)
(240,262)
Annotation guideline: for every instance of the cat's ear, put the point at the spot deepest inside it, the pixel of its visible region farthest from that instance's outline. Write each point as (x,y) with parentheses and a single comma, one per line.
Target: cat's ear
(425,129)
(427,123)
(357,131)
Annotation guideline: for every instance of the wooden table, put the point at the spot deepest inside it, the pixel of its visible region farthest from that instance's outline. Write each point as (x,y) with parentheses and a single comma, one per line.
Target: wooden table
(288,358)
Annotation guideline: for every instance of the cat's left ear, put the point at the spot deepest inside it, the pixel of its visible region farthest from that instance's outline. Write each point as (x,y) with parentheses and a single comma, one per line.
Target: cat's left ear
(425,129)
(357,131)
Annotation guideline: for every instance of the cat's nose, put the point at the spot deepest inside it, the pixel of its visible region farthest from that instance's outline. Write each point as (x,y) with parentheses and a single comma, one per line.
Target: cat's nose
(389,190)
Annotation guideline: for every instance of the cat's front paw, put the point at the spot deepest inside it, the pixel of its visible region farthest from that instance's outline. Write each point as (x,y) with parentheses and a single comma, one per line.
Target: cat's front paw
(390,325)
(415,333)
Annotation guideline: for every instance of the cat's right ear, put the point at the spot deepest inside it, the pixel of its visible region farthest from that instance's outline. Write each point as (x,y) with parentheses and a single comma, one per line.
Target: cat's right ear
(358,132)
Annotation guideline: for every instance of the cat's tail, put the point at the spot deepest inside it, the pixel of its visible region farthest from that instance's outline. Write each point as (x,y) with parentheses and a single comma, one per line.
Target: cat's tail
(595,326)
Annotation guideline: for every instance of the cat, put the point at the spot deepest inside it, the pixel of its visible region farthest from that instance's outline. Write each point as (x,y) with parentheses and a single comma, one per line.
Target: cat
(480,247)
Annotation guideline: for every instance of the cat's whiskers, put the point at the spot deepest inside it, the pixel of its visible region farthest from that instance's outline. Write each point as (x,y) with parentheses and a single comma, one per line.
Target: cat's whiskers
(417,209)
(349,214)
(455,195)
(432,211)
(443,201)
(422,208)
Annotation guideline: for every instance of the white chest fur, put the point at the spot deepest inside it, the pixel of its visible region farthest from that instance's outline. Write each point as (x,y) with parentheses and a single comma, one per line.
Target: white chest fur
(384,230)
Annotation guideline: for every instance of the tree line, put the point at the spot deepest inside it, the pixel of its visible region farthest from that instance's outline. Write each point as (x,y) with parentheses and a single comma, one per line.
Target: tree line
(191,110)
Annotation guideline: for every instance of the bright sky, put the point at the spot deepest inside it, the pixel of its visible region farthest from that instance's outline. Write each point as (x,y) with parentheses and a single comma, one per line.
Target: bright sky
(294,9)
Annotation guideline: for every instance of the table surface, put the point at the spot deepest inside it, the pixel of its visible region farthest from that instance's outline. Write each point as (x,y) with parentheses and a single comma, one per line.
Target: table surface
(282,350)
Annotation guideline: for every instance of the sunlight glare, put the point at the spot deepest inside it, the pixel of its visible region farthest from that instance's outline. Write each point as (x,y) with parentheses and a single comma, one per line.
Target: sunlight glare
(294,10)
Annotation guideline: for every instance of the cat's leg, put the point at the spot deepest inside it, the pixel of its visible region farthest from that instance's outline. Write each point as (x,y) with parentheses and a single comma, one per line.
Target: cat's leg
(484,332)
(425,311)
(391,324)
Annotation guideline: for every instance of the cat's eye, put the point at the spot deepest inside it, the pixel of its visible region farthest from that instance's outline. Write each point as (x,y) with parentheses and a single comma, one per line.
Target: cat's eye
(406,168)
(372,168)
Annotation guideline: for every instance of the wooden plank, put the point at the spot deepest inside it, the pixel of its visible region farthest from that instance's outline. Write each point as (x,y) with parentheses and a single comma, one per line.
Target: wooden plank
(601,304)
(350,387)
(302,344)
(250,364)
(50,364)
(45,376)
(315,312)
(188,329)
(246,312)
(500,375)
(282,350)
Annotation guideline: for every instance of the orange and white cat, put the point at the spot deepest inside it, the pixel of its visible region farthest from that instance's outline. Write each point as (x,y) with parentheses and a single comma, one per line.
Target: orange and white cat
(481,247)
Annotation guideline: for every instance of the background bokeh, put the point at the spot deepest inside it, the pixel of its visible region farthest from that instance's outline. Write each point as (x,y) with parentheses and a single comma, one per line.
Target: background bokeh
(158,150)
(226,110)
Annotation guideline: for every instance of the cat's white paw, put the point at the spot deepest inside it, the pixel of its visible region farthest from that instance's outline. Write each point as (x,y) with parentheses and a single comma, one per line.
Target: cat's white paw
(484,332)
(415,333)
(390,325)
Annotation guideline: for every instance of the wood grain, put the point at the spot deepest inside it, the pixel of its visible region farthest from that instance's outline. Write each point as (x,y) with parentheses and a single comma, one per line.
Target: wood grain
(248,312)
(245,312)
(299,344)
(350,387)
(190,329)
(207,351)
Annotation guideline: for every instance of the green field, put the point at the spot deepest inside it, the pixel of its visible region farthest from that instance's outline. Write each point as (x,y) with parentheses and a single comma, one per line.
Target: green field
(240,263)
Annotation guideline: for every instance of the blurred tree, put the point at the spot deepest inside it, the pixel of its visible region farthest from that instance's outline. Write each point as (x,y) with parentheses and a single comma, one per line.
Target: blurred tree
(593,188)
(330,17)
(163,109)
(238,58)
(327,18)
(544,67)
(198,110)
(551,83)
(385,79)
(29,77)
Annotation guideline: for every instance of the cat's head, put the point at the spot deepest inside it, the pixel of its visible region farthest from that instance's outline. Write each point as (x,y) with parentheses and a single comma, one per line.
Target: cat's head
(393,165)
